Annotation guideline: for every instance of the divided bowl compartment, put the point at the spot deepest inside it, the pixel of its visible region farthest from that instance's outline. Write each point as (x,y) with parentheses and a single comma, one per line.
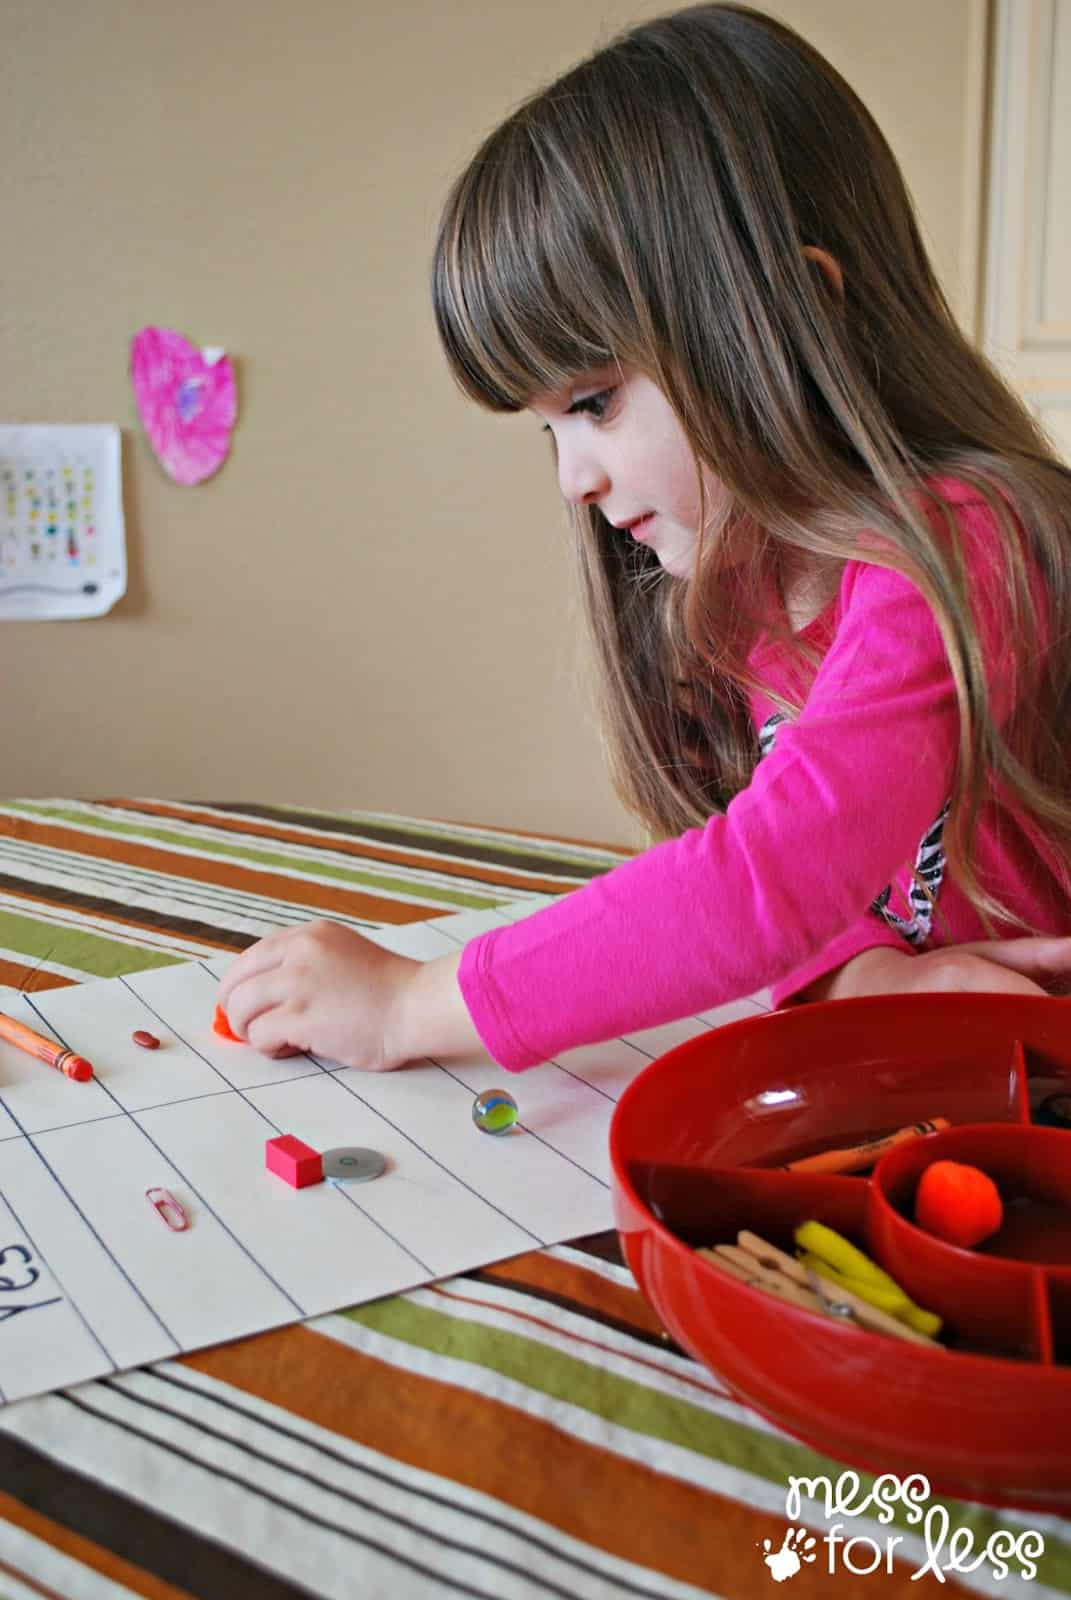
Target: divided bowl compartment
(696,1143)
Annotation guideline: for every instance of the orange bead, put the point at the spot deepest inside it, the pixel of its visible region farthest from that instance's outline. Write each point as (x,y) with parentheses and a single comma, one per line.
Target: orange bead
(959,1204)
(221,1026)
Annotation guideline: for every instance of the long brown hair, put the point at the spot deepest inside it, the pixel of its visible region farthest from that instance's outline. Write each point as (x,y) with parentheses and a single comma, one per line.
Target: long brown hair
(651,207)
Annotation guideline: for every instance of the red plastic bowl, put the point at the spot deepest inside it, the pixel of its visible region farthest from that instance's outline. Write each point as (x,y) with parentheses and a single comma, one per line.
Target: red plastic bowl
(695,1142)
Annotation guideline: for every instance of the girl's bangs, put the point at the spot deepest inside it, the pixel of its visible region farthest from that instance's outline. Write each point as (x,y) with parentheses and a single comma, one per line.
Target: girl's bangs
(514,309)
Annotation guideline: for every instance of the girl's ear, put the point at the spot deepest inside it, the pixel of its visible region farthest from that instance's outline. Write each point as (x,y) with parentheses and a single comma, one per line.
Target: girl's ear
(829,266)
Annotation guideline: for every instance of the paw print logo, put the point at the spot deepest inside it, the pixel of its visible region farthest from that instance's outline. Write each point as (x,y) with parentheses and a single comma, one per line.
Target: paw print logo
(796,1548)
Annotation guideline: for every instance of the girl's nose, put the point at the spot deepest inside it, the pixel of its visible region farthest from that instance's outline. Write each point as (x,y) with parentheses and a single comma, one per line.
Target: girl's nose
(581,477)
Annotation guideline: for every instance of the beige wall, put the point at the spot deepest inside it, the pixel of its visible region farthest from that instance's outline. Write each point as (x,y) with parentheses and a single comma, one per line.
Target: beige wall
(370,606)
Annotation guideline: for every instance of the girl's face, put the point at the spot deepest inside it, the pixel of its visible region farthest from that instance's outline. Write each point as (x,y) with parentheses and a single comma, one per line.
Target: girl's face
(620,448)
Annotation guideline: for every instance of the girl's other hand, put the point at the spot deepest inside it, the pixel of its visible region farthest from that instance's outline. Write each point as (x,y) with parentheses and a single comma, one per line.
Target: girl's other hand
(320,988)
(1002,966)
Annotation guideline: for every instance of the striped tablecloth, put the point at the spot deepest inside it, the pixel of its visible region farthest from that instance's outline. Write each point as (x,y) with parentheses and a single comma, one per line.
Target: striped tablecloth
(523,1431)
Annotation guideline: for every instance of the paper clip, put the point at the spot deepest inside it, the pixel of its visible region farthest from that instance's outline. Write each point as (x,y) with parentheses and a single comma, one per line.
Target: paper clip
(163,1201)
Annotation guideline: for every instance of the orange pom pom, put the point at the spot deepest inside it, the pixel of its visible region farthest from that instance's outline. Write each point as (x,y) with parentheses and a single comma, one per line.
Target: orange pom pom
(958,1203)
(221,1026)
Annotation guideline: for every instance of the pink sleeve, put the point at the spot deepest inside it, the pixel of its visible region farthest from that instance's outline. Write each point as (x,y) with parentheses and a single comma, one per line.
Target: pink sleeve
(869,933)
(755,895)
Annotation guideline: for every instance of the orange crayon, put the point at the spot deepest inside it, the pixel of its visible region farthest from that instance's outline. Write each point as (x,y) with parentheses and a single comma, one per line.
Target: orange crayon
(854,1157)
(46,1050)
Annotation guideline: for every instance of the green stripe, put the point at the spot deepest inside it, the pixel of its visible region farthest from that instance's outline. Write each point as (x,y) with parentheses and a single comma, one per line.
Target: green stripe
(627,1404)
(385,885)
(617,1400)
(92,953)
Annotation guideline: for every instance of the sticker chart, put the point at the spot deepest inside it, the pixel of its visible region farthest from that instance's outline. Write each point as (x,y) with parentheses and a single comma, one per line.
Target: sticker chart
(62,536)
(93,1279)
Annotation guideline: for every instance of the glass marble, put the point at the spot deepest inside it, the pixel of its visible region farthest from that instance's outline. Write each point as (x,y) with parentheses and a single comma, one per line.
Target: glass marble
(494,1111)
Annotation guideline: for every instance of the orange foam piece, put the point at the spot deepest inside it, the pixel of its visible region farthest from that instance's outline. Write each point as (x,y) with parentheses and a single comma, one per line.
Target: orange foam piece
(221,1026)
(958,1203)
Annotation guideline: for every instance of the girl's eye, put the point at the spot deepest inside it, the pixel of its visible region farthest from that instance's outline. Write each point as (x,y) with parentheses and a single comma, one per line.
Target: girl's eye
(592,405)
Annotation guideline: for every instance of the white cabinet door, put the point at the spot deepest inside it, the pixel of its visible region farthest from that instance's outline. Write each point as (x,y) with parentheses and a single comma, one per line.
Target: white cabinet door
(1027,325)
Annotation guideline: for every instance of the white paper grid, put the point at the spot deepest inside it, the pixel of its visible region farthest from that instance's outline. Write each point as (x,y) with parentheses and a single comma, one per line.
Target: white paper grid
(62,534)
(91,1279)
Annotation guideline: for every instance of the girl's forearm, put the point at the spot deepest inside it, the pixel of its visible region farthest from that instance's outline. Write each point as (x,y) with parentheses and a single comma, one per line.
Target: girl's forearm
(430,1017)
(880,970)
(1024,965)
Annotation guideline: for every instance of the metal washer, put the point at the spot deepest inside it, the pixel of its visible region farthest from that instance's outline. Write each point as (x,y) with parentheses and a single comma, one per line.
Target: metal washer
(349,1163)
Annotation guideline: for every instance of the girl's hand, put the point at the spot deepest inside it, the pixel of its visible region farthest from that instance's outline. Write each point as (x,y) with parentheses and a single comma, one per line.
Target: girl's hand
(324,989)
(1007,966)
(320,988)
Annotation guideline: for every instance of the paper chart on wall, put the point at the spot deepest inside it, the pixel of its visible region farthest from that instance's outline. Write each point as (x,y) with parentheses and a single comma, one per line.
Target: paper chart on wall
(91,1279)
(62,535)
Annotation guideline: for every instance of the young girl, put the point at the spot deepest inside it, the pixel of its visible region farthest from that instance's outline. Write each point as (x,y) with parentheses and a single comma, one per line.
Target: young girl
(825,554)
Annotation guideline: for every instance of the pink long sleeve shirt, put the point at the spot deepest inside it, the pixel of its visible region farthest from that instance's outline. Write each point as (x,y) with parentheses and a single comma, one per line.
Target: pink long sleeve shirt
(811,864)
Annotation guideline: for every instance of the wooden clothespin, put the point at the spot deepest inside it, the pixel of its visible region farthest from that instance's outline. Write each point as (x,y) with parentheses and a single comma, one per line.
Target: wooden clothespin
(755,1261)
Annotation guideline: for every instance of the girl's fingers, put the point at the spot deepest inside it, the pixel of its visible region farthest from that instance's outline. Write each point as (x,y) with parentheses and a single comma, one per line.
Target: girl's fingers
(264,956)
(1038,958)
(253,998)
(269,1036)
(274,1031)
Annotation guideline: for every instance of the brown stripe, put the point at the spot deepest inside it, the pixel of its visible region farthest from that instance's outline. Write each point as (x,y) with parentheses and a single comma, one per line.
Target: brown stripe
(604,1246)
(655,1341)
(15,976)
(628,1509)
(611,1304)
(31,1583)
(87,1552)
(573,1285)
(133,1530)
(119,915)
(503,870)
(312,896)
(547,838)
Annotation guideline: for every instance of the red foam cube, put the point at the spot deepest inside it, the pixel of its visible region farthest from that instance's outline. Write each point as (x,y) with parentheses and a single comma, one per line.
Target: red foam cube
(296,1163)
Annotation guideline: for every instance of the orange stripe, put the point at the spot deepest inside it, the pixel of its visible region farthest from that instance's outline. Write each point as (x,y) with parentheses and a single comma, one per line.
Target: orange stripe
(15,976)
(84,1550)
(612,1504)
(313,896)
(576,1284)
(313,839)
